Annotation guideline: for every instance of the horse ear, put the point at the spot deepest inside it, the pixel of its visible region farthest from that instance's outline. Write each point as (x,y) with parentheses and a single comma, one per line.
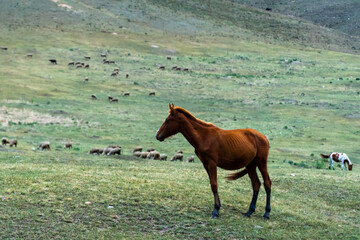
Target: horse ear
(171,107)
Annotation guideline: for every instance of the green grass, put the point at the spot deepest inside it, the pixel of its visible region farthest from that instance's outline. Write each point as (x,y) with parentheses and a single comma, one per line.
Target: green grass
(48,193)
(304,100)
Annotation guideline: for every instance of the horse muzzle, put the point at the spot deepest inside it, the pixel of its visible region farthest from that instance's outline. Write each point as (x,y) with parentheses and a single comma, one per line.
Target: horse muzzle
(159,138)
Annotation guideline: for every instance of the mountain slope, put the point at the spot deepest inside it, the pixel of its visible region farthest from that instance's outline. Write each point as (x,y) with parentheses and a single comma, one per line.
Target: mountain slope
(343,15)
(194,19)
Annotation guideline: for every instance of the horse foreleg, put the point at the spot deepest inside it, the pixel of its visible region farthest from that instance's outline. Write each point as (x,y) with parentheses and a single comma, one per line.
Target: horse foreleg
(212,172)
(255,182)
(331,163)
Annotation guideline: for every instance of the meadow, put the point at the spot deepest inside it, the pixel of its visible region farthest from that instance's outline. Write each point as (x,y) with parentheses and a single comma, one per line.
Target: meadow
(305,100)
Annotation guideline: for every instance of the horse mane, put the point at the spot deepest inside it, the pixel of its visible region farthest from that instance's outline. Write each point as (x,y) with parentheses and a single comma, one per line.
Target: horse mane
(190,116)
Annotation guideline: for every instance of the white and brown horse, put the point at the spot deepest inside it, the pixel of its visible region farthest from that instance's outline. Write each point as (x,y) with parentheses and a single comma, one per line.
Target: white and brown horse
(338,157)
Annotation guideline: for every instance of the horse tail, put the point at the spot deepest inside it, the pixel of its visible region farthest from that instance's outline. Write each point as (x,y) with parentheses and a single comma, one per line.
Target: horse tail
(325,156)
(237,175)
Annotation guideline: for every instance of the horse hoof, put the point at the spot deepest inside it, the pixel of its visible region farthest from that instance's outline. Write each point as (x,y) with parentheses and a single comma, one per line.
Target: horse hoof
(266,216)
(247,214)
(215,214)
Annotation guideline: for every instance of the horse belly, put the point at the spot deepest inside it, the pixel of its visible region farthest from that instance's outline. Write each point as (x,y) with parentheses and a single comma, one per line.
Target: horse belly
(234,163)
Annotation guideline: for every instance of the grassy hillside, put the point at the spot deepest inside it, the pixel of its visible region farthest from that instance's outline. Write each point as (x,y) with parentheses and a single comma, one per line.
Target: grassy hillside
(192,19)
(304,99)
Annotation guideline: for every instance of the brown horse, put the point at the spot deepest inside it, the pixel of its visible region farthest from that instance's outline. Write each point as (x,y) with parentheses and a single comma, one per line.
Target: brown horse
(227,149)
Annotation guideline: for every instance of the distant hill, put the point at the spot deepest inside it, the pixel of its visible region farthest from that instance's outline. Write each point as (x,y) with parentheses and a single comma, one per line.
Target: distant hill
(340,15)
(212,18)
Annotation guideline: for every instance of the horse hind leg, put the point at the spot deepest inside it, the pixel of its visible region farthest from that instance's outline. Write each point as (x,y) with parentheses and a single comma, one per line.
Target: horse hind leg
(255,182)
(267,185)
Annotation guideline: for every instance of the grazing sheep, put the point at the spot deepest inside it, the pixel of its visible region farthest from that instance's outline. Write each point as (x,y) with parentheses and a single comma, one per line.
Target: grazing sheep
(71,63)
(162,67)
(44,146)
(87,66)
(13,142)
(87,57)
(109,148)
(152,94)
(126,94)
(186,69)
(115,151)
(174,68)
(153,155)
(93,97)
(144,154)
(157,156)
(111,61)
(178,69)
(114,100)
(127,75)
(114,74)
(68,145)
(94,150)
(137,154)
(53,61)
(163,157)
(4,48)
(79,66)
(106,150)
(86,79)
(137,149)
(110,98)
(106,61)
(101,150)
(180,151)
(103,55)
(29,55)
(150,149)
(177,156)
(168,58)
(190,159)
(4,141)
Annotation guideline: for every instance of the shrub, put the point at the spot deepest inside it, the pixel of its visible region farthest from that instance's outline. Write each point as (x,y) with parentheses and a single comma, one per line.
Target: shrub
(319,164)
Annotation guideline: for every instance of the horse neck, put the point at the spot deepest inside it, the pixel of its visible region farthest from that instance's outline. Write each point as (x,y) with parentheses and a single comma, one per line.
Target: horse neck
(193,131)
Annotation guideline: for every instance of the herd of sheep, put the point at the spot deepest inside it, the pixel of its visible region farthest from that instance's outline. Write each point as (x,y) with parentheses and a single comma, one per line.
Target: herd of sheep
(114,73)
(150,153)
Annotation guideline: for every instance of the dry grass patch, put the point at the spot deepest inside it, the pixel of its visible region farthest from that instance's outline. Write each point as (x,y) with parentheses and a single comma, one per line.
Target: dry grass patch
(28,116)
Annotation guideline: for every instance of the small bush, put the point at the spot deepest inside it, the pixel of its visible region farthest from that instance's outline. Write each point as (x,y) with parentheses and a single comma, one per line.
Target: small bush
(319,164)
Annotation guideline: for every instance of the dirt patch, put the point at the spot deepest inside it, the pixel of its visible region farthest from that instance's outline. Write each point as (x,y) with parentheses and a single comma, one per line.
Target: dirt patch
(15,101)
(27,116)
(59,112)
(62,5)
